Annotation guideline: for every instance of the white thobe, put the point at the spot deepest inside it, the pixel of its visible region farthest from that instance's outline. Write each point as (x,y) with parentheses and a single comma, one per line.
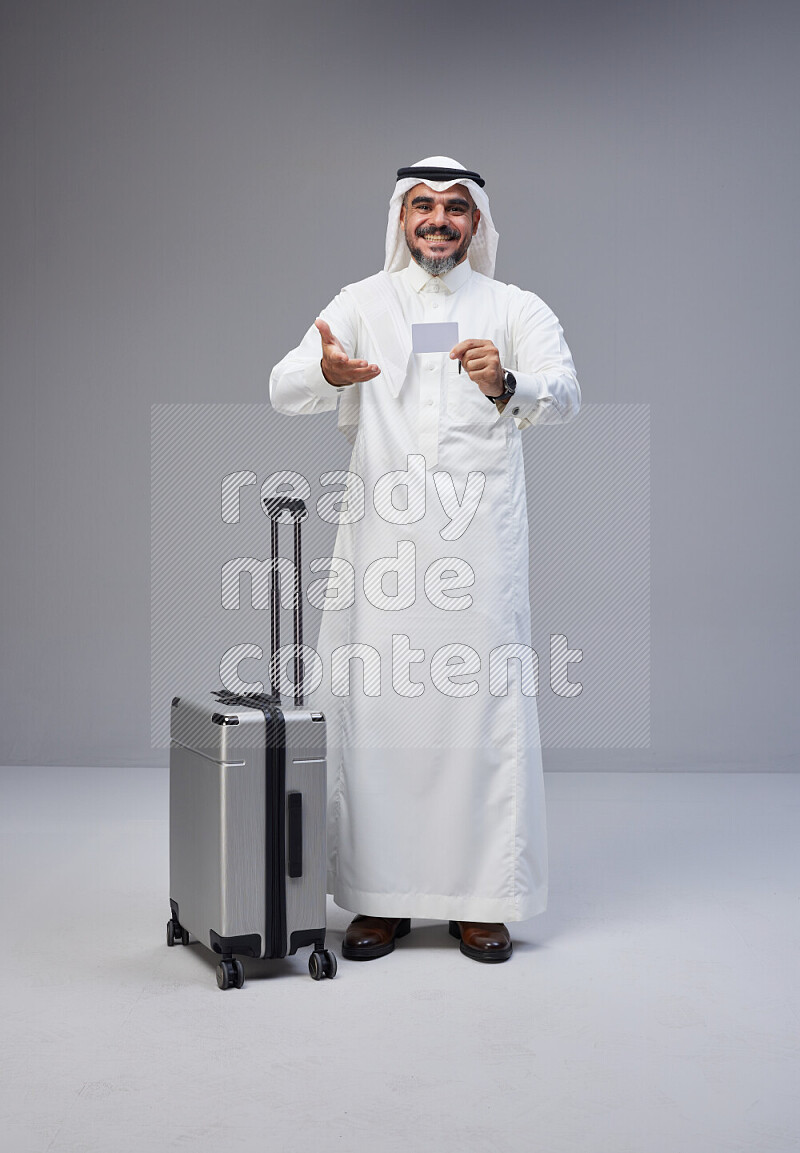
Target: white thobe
(436,803)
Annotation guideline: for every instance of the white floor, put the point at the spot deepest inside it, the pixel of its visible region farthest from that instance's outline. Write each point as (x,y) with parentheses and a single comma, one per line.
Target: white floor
(653,1009)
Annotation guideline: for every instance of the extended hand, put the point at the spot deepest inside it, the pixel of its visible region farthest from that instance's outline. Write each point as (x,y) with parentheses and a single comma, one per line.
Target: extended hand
(337,367)
(481,361)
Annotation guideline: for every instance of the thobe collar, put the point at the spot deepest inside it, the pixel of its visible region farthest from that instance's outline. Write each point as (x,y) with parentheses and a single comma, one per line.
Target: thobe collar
(421,281)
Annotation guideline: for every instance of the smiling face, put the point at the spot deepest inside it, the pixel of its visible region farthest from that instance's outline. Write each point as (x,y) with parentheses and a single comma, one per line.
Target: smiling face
(438,226)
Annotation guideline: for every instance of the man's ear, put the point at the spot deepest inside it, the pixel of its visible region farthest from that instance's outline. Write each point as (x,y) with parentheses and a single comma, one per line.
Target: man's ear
(476,219)
(403,212)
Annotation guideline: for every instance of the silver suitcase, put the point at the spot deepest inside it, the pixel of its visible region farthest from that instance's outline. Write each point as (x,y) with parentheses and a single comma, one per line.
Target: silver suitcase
(247,815)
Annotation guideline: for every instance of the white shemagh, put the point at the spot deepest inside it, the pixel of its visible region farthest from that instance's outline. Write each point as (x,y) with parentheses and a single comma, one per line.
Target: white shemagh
(482,250)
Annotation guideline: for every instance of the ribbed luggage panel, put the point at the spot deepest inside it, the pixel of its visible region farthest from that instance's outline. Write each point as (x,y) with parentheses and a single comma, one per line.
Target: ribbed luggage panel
(194,840)
(242,821)
(217,824)
(305,775)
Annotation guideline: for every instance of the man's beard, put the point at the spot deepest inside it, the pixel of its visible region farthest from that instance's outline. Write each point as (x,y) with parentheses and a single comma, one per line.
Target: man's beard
(438,265)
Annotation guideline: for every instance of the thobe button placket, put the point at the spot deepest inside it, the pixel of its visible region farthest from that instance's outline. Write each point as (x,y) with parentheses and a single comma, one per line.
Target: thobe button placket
(429,412)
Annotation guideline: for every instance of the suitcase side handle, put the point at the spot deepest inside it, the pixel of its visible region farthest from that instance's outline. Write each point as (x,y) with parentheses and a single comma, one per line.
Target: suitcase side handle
(294,838)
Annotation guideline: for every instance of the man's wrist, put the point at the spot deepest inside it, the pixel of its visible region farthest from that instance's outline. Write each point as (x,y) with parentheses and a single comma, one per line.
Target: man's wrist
(509,388)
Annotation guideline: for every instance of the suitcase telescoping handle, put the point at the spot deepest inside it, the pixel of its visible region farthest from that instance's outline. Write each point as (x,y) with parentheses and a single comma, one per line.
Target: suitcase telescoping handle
(275,507)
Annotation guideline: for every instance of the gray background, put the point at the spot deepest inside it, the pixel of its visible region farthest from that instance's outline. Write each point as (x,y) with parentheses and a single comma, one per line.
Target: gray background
(184,185)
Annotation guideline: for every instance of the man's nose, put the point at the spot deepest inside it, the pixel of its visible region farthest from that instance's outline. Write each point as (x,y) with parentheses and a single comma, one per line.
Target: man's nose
(438,215)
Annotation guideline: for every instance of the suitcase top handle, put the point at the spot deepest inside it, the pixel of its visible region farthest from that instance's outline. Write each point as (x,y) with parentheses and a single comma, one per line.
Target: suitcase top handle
(275,506)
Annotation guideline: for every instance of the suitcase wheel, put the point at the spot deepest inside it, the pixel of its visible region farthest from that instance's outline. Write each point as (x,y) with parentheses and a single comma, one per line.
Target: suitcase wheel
(176,934)
(230,974)
(321,964)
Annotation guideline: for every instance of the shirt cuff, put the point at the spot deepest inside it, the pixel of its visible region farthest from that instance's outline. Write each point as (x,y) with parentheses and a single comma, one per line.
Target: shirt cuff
(531,392)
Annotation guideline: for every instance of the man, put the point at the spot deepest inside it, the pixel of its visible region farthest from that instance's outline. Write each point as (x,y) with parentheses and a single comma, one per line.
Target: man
(436,804)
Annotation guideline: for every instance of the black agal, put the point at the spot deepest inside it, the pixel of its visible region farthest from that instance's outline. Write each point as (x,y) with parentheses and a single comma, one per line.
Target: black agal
(440,174)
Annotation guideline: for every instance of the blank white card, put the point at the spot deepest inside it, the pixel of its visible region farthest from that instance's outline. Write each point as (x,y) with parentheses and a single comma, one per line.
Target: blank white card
(434,337)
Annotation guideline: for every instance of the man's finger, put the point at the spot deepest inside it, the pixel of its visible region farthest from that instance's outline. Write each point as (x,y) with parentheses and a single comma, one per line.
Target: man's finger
(363,374)
(477,371)
(324,329)
(475,362)
(340,372)
(344,364)
(458,350)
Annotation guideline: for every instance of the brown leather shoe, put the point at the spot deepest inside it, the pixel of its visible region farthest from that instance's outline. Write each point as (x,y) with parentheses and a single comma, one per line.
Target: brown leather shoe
(482,942)
(370,937)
